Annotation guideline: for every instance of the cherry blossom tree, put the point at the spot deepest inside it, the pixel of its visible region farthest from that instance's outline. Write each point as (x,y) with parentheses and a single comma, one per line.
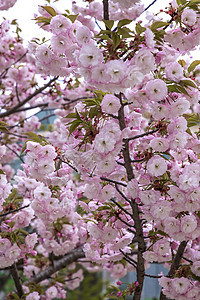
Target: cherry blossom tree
(113,184)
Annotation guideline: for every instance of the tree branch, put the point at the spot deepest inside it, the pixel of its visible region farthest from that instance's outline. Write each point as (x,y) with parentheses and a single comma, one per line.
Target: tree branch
(112,181)
(105,10)
(136,213)
(69,258)
(15,108)
(141,135)
(16,278)
(14,210)
(175,265)
(123,209)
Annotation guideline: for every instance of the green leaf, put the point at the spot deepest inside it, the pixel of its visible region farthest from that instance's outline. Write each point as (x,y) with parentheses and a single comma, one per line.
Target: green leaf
(123,22)
(104,207)
(72,17)
(182,90)
(94,111)
(37,138)
(2,172)
(116,39)
(193,65)
(125,32)
(44,20)
(192,119)
(109,23)
(50,10)
(74,125)
(194,1)
(182,62)
(139,29)
(188,82)
(158,24)
(71,116)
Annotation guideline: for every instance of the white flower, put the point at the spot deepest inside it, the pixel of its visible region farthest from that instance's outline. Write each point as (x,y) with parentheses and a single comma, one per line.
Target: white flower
(157,166)
(52,292)
(179,107)
(133,188)
(189,17)
(181,285)
(160,111)
(195,268)
(156,90)
(83,35)
(104,142)
(174,71)
(90,55)
(116,69)
(149,38)
(145,61)
(110,104)
(60,24)
(159,144)
(188,224)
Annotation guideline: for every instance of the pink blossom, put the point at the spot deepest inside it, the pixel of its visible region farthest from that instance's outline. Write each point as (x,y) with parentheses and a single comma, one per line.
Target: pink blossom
(189,17)
(60,24)
(157,165)
(156,90)
(110,104)
(174,71)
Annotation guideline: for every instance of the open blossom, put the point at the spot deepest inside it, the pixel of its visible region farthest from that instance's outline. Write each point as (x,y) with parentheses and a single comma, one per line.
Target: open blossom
(149,38)
(189,17)
(104,142)
(144,60)
(6,4)
(174,71)
(181,285)
(157,166)
(195,268)
(156,90)
(159,144)
(188,224)
(60,24)
(116,69)
(33,296)
(110,104)
(90,55)
(83,35)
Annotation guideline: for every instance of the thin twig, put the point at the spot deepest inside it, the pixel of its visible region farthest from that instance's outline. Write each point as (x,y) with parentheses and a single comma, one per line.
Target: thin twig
(122,194)
(141,135)
(123,209)
(14,210)
(15,153)
(113,181)
(17,107)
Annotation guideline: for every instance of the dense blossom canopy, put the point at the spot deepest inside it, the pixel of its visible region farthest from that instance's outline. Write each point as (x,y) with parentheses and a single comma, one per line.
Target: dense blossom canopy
(113,183)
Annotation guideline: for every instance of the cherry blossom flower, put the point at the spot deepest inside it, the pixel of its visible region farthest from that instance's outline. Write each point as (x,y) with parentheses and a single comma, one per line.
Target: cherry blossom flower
(157,165)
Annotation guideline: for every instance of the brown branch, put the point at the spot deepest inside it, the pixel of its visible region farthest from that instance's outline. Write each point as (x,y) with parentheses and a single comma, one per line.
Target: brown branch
(6,70)
(175,265)
(16,278)
(141,135)
(135,209)
(69,258)
(15,153)
(122,194)
(112,181)
(123,209)
(17,107)
(105,10)
(14,210)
